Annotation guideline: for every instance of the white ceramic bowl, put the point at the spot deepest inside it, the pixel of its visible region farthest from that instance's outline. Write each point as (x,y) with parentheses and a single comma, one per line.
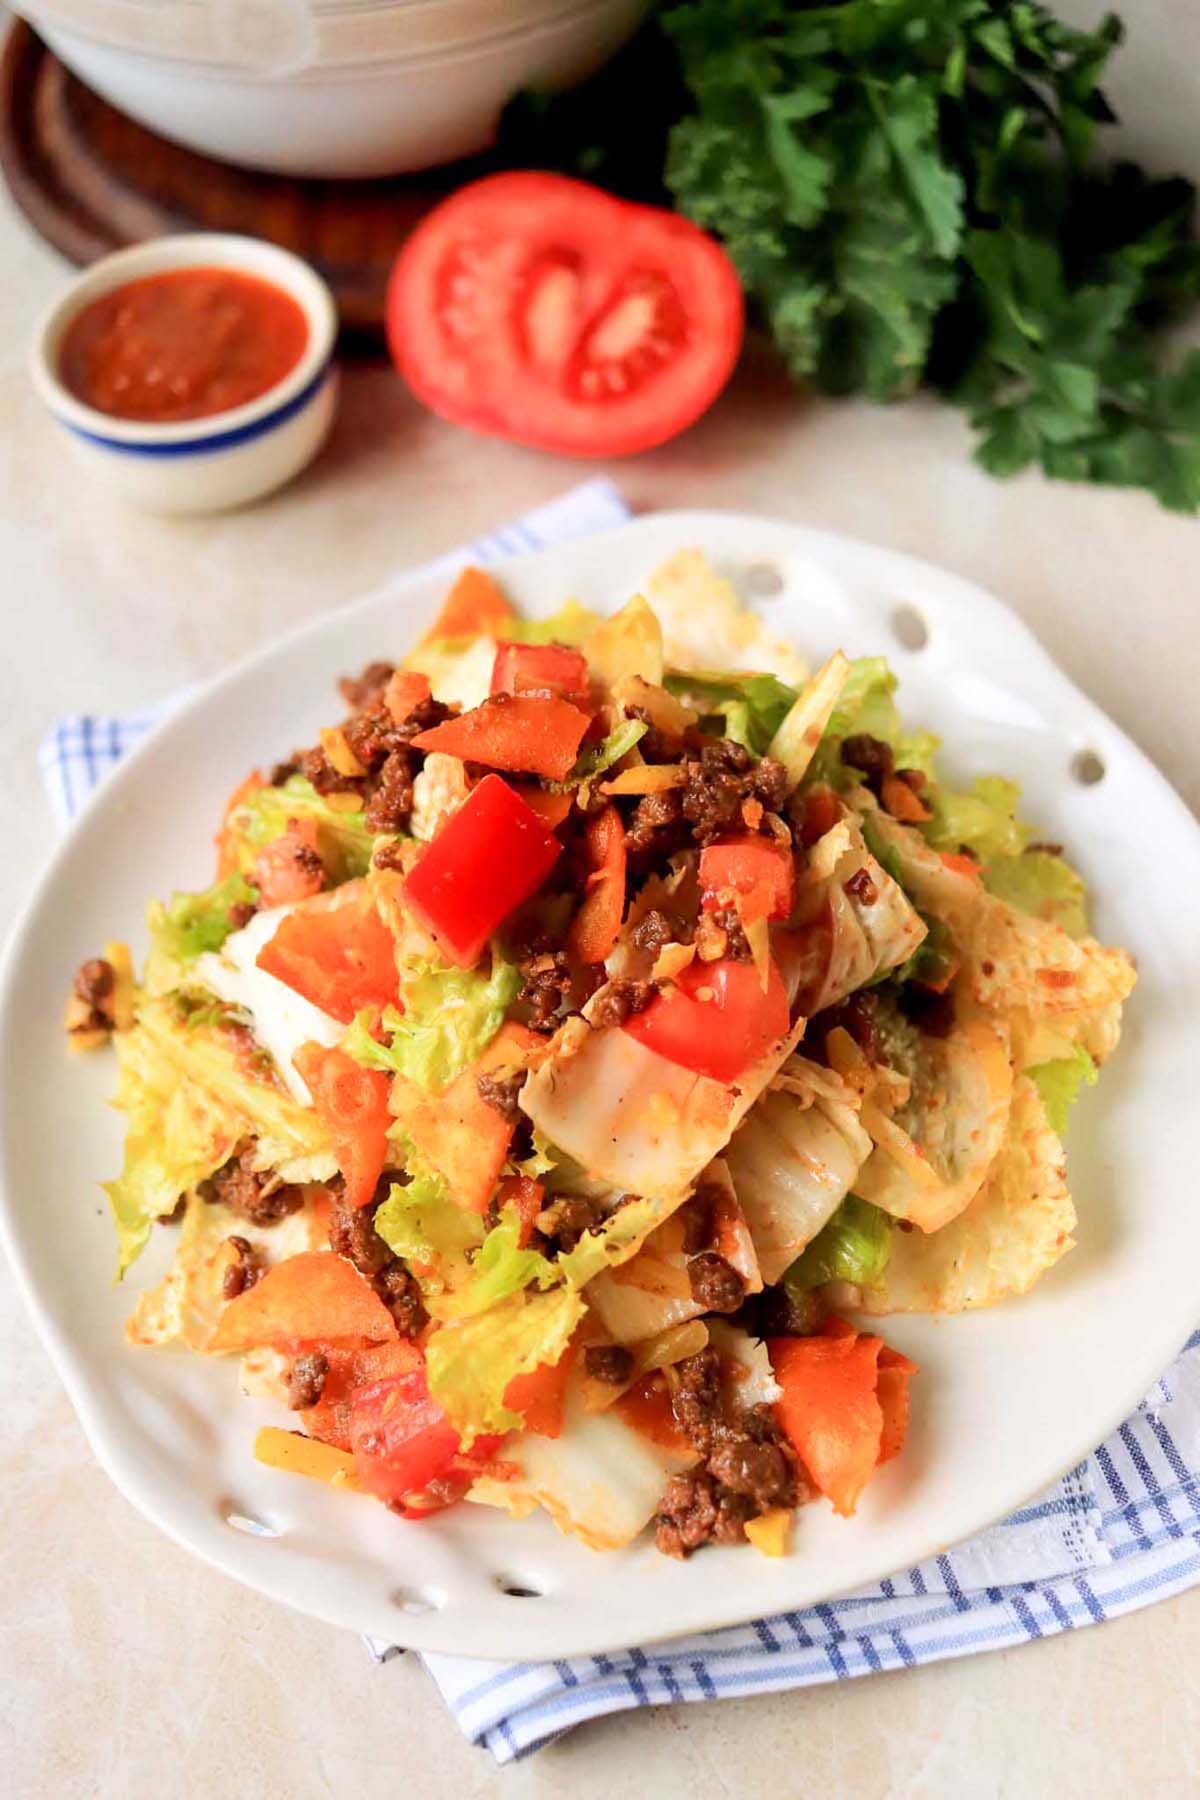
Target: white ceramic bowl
(329,87)
(228,458)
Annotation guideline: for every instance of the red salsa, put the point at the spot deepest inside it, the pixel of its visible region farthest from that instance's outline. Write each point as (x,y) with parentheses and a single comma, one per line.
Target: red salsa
(182,345)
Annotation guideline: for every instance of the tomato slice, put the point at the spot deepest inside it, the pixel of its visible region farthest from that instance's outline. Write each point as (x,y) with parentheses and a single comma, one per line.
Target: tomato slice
(541,309)
(401,1438)
(715,1019)
(540,669)
(597,925)
(336,951)
(754,873)
(289,869)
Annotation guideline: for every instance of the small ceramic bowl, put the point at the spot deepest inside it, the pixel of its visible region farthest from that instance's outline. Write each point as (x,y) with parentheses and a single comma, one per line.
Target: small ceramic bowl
(227,458)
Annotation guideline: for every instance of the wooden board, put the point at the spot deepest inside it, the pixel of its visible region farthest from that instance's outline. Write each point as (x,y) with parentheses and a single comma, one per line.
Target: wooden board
(90,180)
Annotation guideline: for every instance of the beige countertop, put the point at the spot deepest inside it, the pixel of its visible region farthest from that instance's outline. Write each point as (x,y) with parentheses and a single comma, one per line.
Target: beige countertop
(126,1667)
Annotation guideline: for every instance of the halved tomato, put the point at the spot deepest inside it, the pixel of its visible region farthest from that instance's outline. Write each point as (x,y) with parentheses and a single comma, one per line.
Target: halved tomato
(538,308)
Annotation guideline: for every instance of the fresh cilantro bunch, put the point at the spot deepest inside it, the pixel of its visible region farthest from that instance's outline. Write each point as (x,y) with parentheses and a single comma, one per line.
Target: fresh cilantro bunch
(908,191)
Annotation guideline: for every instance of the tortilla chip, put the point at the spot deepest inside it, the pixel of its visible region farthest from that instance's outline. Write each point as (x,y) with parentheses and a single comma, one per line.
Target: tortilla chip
(1013,1231)
(706,626)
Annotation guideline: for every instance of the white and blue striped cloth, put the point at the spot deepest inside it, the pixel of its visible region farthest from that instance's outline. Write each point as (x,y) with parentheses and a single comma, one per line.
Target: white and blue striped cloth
(1118,1532)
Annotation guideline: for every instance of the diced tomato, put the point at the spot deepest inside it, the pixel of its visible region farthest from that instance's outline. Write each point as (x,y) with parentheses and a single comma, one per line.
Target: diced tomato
(540,669)
(353,1102)
(226,839)
(336,951)
(347,1370)
(490,855)
(315,1297)
(541,1395)
(541,309)
(754,873)
(289,869)
(526,733)
(715,1019)
(526,1197)
(596,926)
(405,691)
(474,607)
(402,1440)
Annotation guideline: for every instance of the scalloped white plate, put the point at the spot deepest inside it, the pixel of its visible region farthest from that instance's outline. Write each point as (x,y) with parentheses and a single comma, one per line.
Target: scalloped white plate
(1007,1399)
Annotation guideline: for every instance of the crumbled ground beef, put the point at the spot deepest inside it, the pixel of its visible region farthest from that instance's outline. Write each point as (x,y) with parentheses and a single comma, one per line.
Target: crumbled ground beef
(91,1004)
(316,767)
(566,1220)
(696,1400)
(725,920)
(306,1380)
(243,1271)
(656,828)
(366,689)
(608,1362)
(768,781)
(400,1292)
(241,913)
(862,888)
(389,856)
(747,1467)
(501,1093)
(257,1194)
(715,1283)
(353,1235)
(654,930)
(620,1000)
(711,797)
(389,803)
(871,756)
(283,771)
(547,985)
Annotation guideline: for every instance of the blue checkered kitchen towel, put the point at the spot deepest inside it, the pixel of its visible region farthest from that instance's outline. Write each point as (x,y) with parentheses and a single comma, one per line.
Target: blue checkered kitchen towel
(1118,1532)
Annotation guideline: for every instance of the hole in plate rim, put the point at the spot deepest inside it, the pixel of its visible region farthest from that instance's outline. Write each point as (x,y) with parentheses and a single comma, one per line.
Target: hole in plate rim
(240,1518)
(763,580)
(418,1602)
(909,627)
(1088,767)
(521,1587)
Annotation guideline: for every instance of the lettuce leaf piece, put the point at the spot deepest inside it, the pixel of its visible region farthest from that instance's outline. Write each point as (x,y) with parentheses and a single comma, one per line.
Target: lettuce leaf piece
(500,1268)
(599,757)
(420,1223)
(571,624)
(865,704)
(984,818)
(854,1246)
(1042,883)
(450,1016)
(748,708)
(1059,1083)
(343,841)
(190,924)
(621,1236)
(470,1362)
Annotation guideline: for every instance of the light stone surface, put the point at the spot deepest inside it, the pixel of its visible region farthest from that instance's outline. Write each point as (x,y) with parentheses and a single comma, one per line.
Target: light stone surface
(126,1668)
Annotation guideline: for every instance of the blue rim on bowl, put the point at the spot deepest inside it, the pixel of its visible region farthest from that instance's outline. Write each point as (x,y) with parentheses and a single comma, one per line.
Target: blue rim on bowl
(215,431)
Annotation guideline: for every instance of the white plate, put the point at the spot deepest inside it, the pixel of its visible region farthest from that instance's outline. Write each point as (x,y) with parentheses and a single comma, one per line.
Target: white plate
(1007,1399)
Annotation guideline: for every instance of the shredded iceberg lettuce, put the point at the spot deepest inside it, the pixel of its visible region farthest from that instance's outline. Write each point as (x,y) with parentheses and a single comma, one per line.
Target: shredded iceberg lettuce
(343,841)
(750,708)
(1043,883)
(1059,1083)
(191,924)
(470,1362)
(450,1016)
(569,625)
(854,1246)
(983,819)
